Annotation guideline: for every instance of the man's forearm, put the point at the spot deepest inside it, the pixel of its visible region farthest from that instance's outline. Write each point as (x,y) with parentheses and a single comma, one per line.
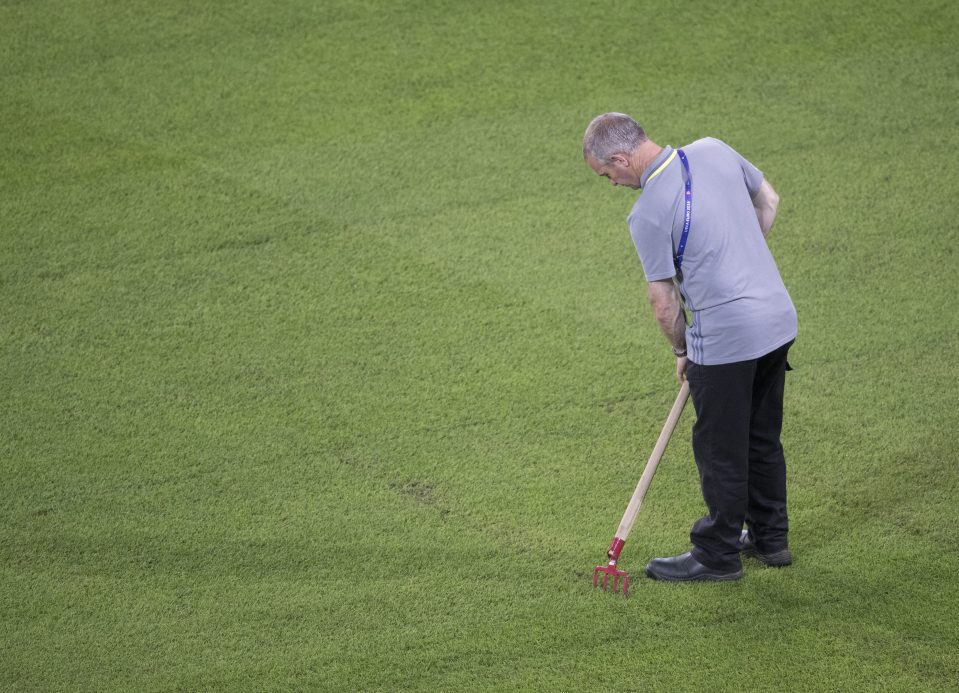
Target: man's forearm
(674,328)
(664,300)
(766,204)
(766,216)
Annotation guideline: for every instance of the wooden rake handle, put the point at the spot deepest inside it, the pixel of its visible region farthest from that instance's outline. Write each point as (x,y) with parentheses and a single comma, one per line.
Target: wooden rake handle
(629,517)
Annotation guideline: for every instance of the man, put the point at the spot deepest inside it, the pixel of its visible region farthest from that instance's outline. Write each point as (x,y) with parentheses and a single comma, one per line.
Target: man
(699,228)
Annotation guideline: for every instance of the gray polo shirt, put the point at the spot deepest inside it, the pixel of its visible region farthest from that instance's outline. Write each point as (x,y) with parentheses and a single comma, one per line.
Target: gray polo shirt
(739,304)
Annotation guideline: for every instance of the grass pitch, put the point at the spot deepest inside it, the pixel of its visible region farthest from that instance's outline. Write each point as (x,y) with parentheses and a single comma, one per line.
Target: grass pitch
(325,363)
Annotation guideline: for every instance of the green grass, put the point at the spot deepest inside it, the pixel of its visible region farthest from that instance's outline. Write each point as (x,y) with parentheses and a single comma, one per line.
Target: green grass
(325,362)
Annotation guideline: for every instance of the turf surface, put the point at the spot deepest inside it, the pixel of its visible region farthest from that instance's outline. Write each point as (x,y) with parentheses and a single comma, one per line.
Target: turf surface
(325,363)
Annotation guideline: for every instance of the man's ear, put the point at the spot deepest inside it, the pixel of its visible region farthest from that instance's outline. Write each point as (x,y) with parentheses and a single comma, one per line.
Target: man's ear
(619,159)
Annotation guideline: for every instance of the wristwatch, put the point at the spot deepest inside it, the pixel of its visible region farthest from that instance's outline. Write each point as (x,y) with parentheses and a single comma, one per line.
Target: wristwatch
(679,352)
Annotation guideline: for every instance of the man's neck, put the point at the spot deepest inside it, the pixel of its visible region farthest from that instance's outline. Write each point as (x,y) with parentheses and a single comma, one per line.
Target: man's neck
(643,157)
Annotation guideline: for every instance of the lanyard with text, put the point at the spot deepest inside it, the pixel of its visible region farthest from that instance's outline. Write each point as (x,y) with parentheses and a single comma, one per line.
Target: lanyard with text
(687,214)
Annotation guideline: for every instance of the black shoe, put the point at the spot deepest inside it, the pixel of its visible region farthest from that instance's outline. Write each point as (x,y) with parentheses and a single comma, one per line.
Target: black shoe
(685,568)
(776,559)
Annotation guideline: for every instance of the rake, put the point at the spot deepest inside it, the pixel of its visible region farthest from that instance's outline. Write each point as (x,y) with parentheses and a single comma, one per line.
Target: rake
(629,517)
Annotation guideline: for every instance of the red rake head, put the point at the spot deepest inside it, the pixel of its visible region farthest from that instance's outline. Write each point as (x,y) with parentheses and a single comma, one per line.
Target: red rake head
(611,570)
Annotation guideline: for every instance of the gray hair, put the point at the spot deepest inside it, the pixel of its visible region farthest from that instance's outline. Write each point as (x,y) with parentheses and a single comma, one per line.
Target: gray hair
(612,133)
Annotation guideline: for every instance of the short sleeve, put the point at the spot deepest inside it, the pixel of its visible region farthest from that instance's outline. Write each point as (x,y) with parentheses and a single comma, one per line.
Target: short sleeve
(752,175)
(654,243)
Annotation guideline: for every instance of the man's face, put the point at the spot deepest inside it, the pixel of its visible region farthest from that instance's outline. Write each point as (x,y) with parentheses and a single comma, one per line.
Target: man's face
(617,171)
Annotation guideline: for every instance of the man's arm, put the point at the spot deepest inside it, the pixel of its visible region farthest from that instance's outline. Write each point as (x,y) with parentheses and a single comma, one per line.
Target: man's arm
(664,299)
(766,203)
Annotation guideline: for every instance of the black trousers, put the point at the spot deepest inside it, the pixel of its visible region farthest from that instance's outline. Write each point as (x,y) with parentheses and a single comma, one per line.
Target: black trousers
(742,468)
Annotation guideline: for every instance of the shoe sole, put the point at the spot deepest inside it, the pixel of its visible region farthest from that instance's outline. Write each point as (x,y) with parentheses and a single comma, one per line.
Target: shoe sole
(779,559)
(707,577)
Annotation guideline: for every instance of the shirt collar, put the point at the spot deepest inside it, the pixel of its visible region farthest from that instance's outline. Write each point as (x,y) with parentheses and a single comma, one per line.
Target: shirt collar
(653,167)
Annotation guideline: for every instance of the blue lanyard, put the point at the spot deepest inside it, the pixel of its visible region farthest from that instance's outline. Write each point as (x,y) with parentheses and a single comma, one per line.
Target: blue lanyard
(687,214)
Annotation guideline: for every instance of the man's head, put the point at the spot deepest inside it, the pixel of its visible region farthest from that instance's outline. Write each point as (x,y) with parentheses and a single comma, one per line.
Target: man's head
(609,144)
